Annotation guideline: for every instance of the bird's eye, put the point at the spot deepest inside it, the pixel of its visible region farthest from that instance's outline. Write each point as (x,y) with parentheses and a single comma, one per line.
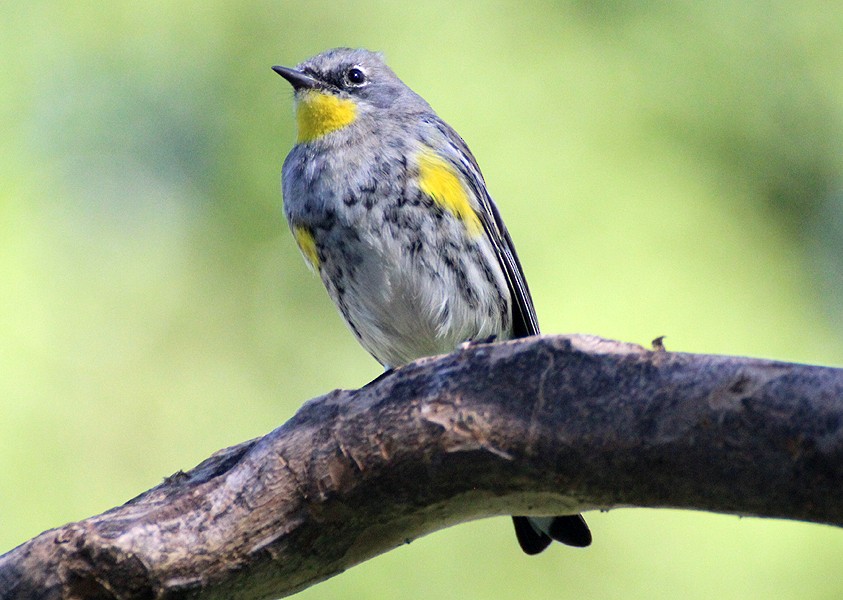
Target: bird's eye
(355,76)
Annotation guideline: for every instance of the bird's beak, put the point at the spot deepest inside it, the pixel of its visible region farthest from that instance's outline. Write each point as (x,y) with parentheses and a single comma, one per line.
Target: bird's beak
(297,79)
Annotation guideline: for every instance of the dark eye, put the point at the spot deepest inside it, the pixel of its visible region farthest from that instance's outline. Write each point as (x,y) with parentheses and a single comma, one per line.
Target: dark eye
(355,76)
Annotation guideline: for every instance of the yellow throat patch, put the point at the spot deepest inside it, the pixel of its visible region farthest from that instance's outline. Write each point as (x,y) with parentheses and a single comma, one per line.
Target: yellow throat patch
(319,114)
(439,180)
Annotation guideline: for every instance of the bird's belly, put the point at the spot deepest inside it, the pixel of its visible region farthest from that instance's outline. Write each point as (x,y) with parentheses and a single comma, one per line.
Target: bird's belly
(402,305)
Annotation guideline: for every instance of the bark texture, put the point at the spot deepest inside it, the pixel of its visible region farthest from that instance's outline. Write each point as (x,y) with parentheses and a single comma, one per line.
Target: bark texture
(549,425)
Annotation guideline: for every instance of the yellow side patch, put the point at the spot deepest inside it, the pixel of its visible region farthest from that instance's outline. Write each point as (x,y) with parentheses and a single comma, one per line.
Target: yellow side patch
(439,180)
(319,114)
(307,245)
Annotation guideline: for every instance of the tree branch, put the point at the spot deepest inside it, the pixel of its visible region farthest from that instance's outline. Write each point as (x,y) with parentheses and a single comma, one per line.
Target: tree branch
(548,425)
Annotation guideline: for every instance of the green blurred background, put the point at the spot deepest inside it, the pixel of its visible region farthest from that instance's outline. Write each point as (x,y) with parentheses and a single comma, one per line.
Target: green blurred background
(665,169)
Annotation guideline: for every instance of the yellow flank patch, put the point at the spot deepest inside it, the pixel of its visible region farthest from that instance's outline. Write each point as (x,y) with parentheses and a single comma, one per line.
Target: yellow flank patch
(318,114)
(307,244)
(439,180)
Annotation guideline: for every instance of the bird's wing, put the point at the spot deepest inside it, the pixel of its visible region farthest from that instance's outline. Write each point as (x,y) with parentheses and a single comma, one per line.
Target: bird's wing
(532,536)
(455,150)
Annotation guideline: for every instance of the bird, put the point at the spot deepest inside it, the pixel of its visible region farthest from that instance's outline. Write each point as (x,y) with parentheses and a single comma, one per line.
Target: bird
(388,205)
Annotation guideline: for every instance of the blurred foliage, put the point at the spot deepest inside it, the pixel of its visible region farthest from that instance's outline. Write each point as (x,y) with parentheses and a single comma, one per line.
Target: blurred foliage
(665,169)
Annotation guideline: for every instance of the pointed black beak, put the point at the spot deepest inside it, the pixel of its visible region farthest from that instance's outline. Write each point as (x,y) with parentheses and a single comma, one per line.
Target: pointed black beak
(297,79)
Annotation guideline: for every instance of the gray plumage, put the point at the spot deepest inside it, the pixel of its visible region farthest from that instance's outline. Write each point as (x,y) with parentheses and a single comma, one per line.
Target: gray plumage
(411,274)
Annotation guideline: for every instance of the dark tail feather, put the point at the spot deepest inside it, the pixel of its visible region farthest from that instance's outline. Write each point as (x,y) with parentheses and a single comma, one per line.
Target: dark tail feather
(531,540)
(571,530)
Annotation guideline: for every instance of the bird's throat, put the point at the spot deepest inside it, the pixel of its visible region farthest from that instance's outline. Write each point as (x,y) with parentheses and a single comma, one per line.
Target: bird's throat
(318,114)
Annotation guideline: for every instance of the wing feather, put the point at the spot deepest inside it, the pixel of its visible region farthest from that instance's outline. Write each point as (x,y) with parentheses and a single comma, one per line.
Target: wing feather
(524,320)
(568,529)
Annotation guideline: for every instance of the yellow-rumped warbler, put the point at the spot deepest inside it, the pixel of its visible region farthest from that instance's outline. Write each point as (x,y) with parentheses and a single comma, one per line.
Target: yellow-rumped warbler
(387,203)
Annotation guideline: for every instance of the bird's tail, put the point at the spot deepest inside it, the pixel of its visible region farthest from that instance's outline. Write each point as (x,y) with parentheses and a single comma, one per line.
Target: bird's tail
(535,533)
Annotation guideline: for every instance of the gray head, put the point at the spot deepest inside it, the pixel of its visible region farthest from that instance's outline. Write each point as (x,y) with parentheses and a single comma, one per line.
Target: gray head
(339,86)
